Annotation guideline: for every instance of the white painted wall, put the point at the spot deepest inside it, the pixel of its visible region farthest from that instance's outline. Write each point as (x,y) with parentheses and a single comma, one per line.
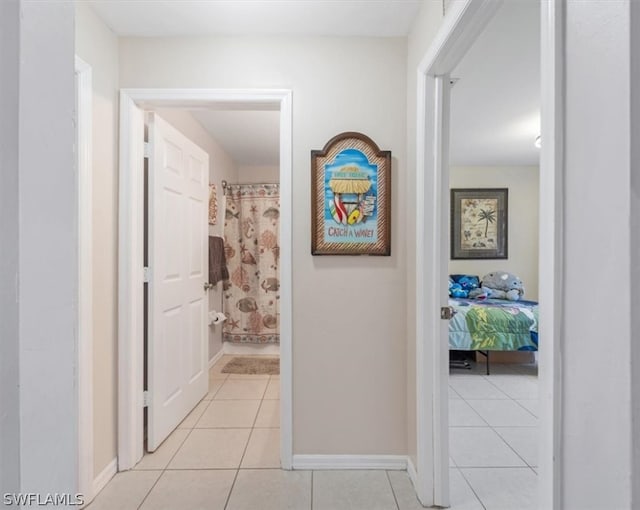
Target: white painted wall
(523,185)
(221,166)
(423,31)
(47,279)
(9,254)
(634,275)
(349,367)
(98,46)
(258,174)
(596,433)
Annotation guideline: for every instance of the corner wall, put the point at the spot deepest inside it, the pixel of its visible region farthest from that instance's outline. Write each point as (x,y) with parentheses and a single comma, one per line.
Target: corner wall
(634,274)
(47,280)
(9,254)
(596,396)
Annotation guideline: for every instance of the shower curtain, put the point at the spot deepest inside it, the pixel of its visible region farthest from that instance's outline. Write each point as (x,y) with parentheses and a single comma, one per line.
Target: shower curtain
(251,296)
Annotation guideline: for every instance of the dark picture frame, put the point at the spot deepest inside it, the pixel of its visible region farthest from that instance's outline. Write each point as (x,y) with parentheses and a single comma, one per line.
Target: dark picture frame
(351,197)
(479,223)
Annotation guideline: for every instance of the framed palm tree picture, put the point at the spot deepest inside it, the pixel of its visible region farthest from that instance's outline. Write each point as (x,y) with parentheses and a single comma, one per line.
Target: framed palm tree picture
(479,223)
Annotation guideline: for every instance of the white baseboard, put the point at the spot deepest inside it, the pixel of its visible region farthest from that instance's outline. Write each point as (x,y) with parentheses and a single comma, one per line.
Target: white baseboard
(216,357)
(392,462)
(103,478)
(250,349)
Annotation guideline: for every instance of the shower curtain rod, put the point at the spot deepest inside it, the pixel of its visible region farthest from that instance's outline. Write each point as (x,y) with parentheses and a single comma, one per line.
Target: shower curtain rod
(225,184)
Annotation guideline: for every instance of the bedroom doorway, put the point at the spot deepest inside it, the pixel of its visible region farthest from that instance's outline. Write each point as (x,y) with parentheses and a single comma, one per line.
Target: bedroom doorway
(493,242)
(465,22)
(133,102)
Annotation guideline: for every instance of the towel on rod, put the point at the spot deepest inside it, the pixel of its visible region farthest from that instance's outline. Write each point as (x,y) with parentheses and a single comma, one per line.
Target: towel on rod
(217,261)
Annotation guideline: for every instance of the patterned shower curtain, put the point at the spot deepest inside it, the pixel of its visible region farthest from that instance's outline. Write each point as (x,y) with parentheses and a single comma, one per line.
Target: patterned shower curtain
(251,233)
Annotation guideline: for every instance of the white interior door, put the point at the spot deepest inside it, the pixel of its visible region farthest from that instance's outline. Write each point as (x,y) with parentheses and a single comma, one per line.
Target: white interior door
(177,377)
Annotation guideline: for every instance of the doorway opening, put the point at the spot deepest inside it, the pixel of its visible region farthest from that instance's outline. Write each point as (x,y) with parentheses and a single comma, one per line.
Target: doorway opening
(493,263)
(236,310)
(464,22)
(131,302)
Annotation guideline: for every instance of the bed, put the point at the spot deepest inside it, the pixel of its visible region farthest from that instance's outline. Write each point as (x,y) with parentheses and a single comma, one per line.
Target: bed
(492,325)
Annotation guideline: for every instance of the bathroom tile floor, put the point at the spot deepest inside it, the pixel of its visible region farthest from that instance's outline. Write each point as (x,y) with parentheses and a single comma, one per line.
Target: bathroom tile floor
(225,454)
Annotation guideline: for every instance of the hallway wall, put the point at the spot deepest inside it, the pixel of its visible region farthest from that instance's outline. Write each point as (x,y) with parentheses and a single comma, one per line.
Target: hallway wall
(348,349)
(38,250)
(97,45)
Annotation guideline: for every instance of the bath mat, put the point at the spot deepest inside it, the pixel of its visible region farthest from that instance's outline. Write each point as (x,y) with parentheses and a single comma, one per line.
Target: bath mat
(253,366)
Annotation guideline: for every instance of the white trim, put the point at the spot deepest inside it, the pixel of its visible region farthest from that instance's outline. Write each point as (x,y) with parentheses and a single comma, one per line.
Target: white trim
(130,284)
(216,357)
(463,23)
(104,477)
(251,350)
(84,100)
(391,462)
(286,280)
(551,261)
(130,441)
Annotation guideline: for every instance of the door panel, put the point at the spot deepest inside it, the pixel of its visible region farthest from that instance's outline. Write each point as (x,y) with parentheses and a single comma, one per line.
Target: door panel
(178,304)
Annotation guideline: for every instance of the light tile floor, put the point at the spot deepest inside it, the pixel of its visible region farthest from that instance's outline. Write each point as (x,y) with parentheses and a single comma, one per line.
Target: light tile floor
(493,437)
(225,454)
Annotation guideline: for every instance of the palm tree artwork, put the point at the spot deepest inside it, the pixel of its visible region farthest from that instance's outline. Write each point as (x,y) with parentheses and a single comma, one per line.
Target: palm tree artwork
(479,223)
(488,216)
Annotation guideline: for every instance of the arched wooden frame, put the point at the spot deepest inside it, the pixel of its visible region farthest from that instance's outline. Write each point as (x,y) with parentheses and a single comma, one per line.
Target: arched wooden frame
(353,236)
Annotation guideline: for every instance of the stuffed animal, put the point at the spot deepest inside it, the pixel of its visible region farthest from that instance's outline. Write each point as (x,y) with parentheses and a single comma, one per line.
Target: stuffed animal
(500,285)
(461,285)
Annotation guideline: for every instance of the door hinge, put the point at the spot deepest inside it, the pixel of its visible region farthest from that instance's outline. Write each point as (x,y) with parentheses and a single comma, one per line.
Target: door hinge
(147,150)
(145,398)
(447,313)
(146,274)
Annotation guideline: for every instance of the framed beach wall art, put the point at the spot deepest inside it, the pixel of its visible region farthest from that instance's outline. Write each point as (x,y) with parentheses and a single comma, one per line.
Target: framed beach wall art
(479,223)
(350,197)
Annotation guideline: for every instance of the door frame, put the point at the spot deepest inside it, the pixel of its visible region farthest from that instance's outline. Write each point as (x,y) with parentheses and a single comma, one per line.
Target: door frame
(84,130)
(460,28)
(130,232)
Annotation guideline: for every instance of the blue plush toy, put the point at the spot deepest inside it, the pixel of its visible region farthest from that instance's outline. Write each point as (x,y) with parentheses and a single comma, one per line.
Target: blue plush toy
(461,285)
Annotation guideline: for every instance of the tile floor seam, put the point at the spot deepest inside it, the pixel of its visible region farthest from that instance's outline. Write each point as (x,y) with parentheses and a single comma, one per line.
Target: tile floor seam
(167,464)
(493,428)
(233,484)
(476,412)
(246,446)
(311,505)
(509,444)
(395,498)
(149,491)
(472,489)
(523,407)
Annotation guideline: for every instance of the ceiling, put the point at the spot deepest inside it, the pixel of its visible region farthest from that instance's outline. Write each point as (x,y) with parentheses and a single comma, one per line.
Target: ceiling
(495,104)
(251,138)
(155,18)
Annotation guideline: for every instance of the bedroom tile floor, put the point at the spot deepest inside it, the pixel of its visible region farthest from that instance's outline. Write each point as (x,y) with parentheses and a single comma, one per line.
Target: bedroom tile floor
(493,443)
(225,454)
